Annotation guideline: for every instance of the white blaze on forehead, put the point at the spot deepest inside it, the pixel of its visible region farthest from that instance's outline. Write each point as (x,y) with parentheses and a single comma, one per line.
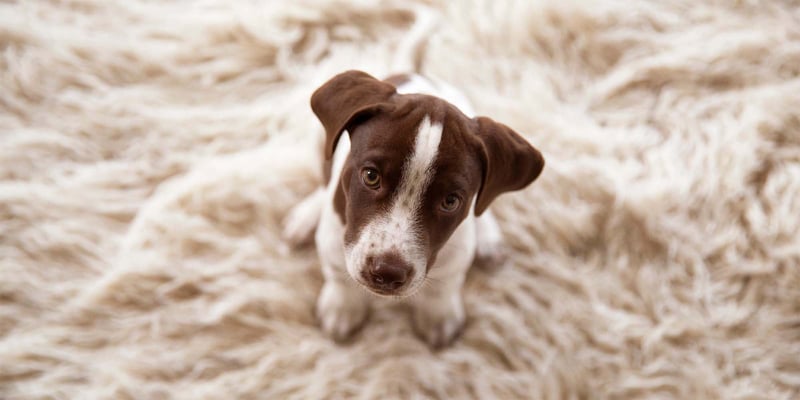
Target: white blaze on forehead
(397,230)
(417,171)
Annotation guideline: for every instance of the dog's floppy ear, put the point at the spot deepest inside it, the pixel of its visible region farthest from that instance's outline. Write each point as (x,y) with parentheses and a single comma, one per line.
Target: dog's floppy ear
(347,98)
(509,161)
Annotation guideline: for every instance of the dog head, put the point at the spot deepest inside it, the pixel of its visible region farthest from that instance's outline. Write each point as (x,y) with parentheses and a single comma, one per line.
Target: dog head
(415,167)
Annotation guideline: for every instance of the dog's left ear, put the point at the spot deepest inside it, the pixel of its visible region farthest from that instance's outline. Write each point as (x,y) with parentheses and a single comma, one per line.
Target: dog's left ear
(509,161)
(347,99)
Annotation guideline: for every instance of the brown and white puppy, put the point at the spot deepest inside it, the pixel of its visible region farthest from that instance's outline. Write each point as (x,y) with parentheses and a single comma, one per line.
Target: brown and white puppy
(405,207)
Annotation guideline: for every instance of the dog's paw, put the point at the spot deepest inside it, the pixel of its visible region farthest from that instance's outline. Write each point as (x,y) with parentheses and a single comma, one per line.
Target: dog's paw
(340,314)
(491,255)
(440,325)
(491,252)
(296,231)
(300,224)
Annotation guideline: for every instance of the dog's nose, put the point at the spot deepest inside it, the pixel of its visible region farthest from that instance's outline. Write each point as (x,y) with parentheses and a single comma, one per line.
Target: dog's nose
(388,274)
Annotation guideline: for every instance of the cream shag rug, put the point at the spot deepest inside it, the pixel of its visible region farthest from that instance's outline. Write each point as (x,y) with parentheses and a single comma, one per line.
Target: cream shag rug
(149,150)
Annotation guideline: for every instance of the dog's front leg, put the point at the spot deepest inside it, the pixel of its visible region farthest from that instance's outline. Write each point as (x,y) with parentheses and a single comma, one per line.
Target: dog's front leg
(342,308)
(438,314)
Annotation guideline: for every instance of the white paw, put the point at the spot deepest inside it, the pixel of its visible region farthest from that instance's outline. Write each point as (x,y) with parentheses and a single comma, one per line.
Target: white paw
(340,313)
(491,255)
(441,324)
(300,224)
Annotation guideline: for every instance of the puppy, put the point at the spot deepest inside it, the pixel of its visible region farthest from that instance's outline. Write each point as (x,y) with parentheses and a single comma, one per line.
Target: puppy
(410,178)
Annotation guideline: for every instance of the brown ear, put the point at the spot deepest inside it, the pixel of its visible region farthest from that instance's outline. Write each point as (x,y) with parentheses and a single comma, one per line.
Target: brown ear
(509,162)
(346,98)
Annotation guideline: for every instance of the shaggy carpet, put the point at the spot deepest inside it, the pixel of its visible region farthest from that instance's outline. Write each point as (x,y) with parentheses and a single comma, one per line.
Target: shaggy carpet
(149,151)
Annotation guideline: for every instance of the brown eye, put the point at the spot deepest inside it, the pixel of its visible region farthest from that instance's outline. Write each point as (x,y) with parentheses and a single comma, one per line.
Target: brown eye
(450,203)
(371,178)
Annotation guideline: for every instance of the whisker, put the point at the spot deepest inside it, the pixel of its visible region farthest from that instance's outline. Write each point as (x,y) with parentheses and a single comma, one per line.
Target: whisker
(429,279)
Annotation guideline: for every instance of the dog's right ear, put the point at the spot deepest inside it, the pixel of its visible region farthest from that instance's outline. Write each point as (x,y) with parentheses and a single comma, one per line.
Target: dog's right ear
(346,99)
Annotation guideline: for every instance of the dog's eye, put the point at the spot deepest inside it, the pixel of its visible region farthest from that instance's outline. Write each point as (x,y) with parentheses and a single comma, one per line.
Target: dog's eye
(371,178)
(450,203)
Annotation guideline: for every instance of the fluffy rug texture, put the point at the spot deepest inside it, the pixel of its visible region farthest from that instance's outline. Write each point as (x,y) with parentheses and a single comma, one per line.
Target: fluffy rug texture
(150,150)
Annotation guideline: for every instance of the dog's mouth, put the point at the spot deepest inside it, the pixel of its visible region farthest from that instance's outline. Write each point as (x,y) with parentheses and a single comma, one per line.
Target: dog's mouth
(383,291)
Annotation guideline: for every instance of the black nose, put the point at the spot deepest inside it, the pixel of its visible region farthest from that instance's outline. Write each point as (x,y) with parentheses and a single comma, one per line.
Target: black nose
(388,273)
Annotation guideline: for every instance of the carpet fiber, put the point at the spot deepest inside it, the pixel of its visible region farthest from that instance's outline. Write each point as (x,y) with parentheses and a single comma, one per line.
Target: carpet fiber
(149,151)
